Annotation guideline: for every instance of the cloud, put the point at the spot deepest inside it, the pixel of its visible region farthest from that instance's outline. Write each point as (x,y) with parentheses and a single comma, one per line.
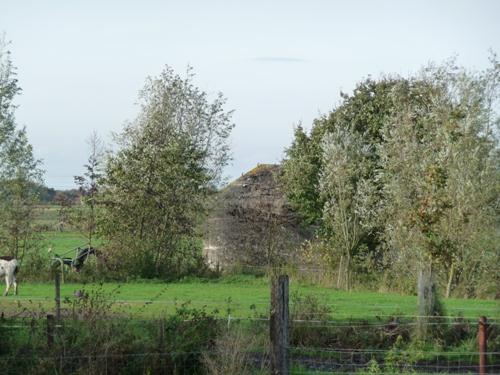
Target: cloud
(280,59)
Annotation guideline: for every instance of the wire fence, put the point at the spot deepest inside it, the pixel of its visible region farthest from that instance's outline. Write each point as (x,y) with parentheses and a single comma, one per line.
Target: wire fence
(232,303)
(315,323)
(303,361)
(322,340)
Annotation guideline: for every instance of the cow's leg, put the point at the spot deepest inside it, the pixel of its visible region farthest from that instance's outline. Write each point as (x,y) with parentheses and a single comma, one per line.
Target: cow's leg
(7,285)
(15,285)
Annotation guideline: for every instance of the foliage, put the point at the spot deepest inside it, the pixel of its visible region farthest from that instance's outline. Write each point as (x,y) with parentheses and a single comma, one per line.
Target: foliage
(187,334)
(155,187)
(349,195)
(342,142)
(300,176)
(439,173)
(95,340)
(372,368)
(403,175)
(308,308)
(400,360)
(84,216)
(364,112)
(20,172)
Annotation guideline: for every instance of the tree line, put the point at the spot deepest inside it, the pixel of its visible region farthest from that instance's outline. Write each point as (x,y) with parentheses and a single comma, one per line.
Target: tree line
(401,180)
(145,199)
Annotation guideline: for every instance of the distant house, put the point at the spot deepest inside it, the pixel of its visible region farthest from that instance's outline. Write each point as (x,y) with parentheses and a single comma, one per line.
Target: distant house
(251,222)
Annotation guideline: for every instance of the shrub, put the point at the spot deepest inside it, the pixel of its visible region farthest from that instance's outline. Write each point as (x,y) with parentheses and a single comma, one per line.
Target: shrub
(230,354)
(313,315)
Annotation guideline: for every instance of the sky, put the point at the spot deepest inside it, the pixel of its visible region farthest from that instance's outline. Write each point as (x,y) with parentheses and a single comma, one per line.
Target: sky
(81,64)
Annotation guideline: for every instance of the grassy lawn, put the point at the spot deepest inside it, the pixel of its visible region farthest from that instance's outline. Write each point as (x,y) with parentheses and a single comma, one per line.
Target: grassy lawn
(241,296)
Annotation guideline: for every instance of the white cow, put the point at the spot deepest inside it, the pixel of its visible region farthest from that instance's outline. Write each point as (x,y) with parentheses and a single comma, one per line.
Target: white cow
(9,268)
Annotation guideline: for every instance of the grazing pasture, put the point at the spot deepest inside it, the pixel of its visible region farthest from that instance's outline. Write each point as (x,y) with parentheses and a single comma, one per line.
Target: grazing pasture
(240,296)
(332,330)
(141,326)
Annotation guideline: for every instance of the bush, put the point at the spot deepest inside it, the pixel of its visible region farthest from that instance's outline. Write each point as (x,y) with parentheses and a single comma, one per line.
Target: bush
(187,334)
(313,316)
(98,340)
(231,353)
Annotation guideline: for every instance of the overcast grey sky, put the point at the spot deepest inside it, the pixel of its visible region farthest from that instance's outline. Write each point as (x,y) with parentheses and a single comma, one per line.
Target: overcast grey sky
(81,63)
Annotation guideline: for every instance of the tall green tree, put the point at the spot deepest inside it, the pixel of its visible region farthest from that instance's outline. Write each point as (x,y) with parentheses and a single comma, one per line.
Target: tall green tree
(169,159)
(300,176)
(349,193)
(432,174)
(20,172)
(342,143)
(438,169)
(363,112)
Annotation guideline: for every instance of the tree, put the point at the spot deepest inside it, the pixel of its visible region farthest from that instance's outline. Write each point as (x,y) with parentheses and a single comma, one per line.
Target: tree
(430,178)
(349,195)
(363,113)
(344,141)
(170,159)
(437,169)
(414,182)
(85,215)
(470,227)
(300,176)
(20,172)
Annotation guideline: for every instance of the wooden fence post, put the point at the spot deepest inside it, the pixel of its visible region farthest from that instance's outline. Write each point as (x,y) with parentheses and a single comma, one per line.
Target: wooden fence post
(57,279)
(50,330)
(482,338)
(279,326)
(161,335)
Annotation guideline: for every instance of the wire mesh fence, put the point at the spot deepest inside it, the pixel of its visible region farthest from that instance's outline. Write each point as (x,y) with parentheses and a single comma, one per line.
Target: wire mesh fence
(93,337)
(304,359)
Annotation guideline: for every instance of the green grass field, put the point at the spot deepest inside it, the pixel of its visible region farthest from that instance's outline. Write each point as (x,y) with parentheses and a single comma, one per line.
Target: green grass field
(240,296)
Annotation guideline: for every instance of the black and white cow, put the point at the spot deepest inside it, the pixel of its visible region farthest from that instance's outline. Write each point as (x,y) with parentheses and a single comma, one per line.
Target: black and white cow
(8,268)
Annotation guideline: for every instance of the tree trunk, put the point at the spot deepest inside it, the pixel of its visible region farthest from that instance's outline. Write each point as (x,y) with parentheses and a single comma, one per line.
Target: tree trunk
(347,272)
(339,273)
(450,280)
